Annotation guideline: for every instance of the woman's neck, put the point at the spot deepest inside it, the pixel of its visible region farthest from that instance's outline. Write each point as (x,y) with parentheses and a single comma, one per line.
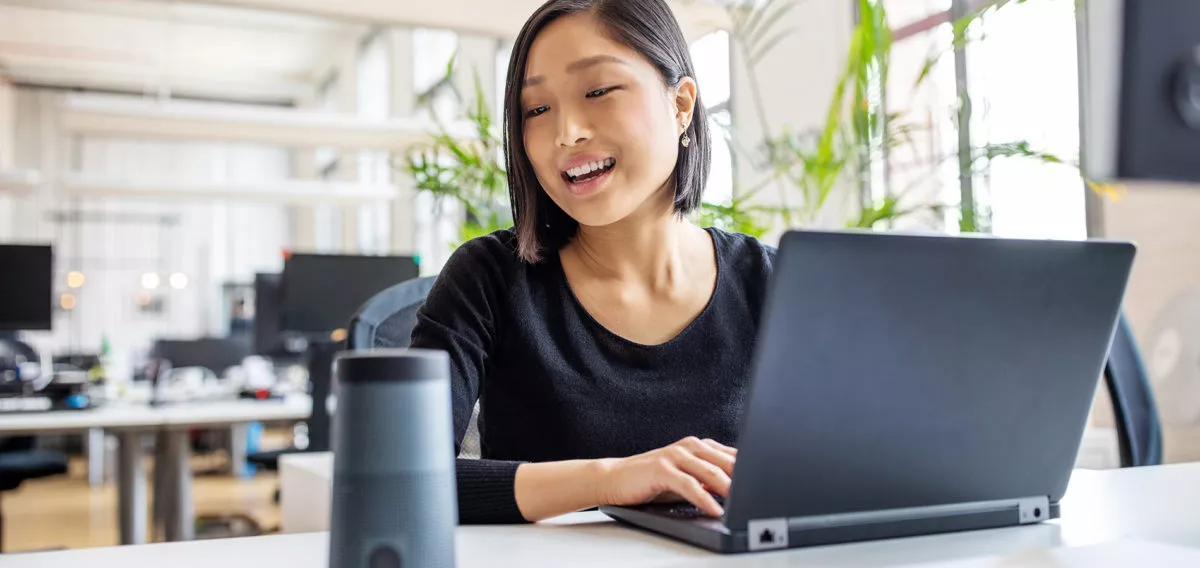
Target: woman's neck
(653,248)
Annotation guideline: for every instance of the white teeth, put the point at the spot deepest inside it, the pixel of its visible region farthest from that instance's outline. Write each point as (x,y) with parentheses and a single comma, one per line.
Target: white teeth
(590,167)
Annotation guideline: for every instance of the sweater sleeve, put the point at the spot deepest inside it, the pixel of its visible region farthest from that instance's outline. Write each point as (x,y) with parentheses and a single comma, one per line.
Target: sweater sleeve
(463,316)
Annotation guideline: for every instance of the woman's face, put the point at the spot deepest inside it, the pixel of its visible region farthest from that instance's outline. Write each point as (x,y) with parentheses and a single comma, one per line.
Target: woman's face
(601,128)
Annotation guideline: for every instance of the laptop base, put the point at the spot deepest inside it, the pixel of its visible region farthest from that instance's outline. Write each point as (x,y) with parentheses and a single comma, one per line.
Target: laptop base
(711,534)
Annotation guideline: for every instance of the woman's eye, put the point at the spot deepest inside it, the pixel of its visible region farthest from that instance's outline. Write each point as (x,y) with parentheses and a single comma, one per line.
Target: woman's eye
(536,111)
(599,92)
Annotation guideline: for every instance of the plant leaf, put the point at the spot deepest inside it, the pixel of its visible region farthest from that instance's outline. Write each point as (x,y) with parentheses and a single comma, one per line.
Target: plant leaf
(762,50)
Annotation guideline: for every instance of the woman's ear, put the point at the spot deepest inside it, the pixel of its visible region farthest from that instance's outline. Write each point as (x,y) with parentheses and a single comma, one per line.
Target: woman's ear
(685,102)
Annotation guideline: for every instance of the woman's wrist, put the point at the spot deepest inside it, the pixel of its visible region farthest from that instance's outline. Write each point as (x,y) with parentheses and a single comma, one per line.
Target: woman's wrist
(599,473)
(545,490)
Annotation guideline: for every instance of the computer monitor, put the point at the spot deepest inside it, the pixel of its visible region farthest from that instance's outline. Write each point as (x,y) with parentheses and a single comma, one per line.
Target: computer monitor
(269,339)
(322,292)
(26,290)
(214,353)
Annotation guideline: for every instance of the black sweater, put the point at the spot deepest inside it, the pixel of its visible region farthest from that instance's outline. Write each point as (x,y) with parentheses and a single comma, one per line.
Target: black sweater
(553,384)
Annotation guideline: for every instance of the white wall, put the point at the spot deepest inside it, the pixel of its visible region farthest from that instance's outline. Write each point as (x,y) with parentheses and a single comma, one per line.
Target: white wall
(8,119)
(1160,218)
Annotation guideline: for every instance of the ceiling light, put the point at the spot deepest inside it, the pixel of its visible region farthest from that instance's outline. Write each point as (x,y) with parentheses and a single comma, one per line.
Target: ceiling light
(150,281)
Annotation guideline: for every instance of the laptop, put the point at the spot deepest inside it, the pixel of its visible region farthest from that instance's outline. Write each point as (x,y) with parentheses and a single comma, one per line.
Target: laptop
(908,384)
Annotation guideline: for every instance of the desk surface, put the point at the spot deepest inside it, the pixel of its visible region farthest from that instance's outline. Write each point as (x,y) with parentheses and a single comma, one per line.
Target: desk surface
(119,415)
(1144,516)
(476,548)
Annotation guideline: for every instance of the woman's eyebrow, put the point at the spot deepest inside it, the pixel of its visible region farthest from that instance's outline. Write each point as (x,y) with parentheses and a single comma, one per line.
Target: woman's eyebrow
(579,66)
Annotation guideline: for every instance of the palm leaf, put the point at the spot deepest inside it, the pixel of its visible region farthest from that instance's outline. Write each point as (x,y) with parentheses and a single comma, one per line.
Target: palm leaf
(758,25)
(761,51)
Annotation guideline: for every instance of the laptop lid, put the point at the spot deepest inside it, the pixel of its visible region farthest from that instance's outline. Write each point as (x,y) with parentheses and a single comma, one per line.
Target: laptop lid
(896,371)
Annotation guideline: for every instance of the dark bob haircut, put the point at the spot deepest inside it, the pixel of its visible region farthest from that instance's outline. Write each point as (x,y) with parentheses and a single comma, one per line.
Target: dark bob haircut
(646,26)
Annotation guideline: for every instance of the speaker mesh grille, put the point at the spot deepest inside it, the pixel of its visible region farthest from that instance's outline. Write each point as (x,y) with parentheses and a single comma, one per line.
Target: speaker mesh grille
(414,513)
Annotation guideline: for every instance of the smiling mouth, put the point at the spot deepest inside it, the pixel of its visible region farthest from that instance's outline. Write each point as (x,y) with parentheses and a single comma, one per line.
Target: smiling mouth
(589,172)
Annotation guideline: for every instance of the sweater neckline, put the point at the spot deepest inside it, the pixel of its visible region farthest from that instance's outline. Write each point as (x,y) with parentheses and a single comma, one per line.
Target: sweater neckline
(719,256)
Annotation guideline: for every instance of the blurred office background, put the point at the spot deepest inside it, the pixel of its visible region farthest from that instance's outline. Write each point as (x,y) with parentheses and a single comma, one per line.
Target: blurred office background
(170,151)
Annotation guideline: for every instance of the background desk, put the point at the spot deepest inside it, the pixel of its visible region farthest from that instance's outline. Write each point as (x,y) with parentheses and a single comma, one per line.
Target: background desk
(131,423)
(1142,517)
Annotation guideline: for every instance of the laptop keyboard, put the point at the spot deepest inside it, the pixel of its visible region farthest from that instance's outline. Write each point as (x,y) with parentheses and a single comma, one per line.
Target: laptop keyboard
(687,510)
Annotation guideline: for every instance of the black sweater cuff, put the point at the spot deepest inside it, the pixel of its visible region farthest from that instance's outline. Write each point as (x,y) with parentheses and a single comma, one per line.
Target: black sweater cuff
(487,492)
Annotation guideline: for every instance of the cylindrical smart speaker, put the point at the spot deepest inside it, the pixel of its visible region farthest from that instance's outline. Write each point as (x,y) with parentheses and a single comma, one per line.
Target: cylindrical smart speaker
(394,499)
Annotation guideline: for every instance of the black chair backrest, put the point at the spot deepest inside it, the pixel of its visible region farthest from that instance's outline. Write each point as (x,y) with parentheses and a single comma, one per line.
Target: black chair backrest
(1139,433)
(388,318)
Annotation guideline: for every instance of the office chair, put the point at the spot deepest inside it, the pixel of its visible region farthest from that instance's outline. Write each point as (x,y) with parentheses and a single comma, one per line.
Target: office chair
(1139,433)
(387,320)
(20,461)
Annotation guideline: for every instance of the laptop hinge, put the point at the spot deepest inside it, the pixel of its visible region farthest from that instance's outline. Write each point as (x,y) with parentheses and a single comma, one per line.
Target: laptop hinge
(1026,510)
(1034,509)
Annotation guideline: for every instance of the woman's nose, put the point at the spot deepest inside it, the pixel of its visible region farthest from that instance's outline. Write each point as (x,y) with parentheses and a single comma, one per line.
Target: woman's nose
(572,130)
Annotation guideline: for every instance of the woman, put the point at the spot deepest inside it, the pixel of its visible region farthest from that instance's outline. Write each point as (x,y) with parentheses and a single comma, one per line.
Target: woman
(607,339)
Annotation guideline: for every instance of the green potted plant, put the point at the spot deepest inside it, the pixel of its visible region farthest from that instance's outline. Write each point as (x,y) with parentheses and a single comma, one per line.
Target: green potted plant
(468,170)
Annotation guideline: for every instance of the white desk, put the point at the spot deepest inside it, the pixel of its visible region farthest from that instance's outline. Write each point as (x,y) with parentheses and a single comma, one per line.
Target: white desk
(477,548)
(118,416)
(1156,503)
(504,548)
(305,481)
(131,423)
(1143,517)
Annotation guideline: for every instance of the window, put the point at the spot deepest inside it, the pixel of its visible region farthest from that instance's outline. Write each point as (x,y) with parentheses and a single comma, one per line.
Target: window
(327,222)
(925,169)
(432,52)
(1029,90)
(436,222)
(503,54)
(374,167)
(326,100)
(915,14)
(1019,91)
(710,55)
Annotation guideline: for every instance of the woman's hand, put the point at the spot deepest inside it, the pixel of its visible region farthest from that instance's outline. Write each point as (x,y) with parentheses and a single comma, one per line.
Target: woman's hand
(690,469)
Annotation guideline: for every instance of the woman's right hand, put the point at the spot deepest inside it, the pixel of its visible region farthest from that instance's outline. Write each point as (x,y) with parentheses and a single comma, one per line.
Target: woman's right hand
(690,469)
